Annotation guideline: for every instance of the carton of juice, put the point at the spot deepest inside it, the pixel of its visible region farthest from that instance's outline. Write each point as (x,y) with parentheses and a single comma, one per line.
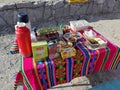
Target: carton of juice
(40,50)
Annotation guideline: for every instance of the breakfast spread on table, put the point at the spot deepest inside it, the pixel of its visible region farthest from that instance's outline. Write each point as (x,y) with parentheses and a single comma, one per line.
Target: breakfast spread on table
(56,55)
(52,44)
(60,41)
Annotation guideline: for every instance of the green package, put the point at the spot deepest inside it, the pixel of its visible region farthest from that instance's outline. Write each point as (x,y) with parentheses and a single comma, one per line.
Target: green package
(40,50)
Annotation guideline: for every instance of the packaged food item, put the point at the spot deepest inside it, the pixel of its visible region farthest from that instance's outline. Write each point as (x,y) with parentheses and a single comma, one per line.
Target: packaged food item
(67,36)
(63,44)
(89,34)
(101,42)
(40,50)
(68,52)
(79,25)
(60,31)
(95,43)
(66,29)
(53,49)
(47,33)
(41,37)
(72,37)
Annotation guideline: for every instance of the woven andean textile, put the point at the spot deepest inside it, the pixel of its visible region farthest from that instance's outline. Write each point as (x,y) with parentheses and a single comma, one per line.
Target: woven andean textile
(43,75)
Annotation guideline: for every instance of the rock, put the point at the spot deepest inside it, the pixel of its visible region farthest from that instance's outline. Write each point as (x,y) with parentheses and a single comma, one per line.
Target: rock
(47,13)
(43,11)
(58,4)
(24,5)
(100,1)
(36,15)
(66,10)
(74,8)
(2,22)
(83,9)
(90,8)
(59,13)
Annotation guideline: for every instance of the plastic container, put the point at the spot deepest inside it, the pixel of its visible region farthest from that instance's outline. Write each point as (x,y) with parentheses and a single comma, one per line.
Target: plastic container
(79,25)
(96,43)
(23,39)
(72,36)
(89,34)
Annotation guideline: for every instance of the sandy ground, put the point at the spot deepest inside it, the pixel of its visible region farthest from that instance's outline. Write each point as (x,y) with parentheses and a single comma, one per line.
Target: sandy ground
(9,64)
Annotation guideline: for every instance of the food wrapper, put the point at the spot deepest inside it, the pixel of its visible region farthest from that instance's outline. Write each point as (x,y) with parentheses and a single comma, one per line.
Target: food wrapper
(68,52)
(40,50)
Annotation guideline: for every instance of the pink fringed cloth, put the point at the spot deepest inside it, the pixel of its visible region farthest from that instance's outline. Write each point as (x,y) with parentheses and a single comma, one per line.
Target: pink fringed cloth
(42,75)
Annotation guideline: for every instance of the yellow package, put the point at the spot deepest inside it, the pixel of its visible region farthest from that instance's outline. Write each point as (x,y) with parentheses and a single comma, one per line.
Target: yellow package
(77,1)
(40,50)
(68,52)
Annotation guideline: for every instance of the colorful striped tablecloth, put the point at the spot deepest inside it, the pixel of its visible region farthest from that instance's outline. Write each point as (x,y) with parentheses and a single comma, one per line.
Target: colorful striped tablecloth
(42,75)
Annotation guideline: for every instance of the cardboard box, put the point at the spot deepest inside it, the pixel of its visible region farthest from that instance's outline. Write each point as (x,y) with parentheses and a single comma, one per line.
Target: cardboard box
(40,50)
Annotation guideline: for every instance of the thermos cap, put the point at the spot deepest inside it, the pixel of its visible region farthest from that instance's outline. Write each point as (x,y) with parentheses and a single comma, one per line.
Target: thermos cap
(22,17)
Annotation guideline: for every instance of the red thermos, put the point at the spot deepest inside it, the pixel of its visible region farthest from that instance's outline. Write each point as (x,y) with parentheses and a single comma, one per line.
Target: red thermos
(23,39)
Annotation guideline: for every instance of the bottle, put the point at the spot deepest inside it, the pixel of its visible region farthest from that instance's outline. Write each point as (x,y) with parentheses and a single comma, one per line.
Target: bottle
(23,39)
(60,31)
(22,17)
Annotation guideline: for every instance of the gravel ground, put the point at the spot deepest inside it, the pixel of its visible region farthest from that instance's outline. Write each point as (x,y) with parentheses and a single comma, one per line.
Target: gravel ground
(9,64)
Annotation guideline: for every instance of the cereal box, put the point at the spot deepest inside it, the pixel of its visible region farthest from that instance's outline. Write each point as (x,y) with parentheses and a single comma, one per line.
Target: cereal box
(40,50)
